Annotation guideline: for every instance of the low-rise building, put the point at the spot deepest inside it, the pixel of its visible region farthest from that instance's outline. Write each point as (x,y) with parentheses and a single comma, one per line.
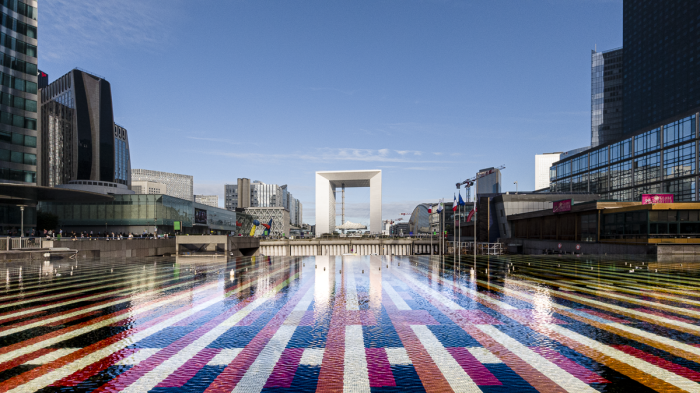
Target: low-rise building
(209,200)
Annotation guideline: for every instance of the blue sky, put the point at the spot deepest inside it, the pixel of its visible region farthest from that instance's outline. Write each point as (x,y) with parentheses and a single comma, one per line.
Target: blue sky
(428,91)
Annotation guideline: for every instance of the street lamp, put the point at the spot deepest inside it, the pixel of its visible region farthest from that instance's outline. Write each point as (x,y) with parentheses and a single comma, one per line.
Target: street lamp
(516,186)
(21,220)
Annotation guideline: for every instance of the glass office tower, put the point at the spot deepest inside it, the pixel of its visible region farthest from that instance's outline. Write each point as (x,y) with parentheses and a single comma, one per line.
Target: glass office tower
(661,62)
(606,96)
(18,93)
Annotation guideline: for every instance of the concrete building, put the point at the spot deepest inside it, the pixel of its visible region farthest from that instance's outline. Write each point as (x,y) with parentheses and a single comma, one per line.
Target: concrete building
(245,194)
(279,216)
(209,200)
(78,138)
(178,186)
(243,198)
(542,164)
(326,184)
(100,187)
(18,99)
(149,187)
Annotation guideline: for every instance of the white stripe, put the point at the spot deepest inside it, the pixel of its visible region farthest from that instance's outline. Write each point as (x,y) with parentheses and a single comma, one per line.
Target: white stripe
(395,297)
(397,355)
(351,300)
(86,329)
(455,375)
(62,372)
(641,365)
(152,378)
(434,293)
(312,357)
(550,370)
(51,356)
(483,355)
(138,357)
(486,298)
(356,376)
(224,357)
(258,372)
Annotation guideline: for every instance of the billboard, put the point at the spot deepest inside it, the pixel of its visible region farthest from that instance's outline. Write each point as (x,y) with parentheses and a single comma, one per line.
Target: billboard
(200,216)
(561,206)
(649,199)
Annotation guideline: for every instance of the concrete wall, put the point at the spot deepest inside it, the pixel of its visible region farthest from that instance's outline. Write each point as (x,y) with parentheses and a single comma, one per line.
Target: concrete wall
(344,246)
(117,248)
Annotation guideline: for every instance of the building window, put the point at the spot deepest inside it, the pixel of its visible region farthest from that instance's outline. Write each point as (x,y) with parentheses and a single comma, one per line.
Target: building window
(648,141)
(621,150)
(579,183)
(647,169)
(624,195)
(620,175)
(650,189)
(579,164)
(679,131)
(598,181)
(679,161)
(682,189)
(599,157)
(563,169)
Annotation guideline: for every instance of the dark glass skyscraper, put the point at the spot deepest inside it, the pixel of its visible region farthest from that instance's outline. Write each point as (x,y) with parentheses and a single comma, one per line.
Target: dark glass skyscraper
(661,62)
(18,91)
(606,96)
(78,136)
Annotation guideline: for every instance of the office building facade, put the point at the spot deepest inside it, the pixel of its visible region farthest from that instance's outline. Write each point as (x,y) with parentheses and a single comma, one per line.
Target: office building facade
(149,187)
(245,194)
(178,186)
(542,164)
(662,75)
(18,94)
(489,182)
(606,96)
(79,140)
(209,200)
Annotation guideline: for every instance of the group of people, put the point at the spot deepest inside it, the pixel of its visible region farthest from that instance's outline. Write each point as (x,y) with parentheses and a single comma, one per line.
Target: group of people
(90,235)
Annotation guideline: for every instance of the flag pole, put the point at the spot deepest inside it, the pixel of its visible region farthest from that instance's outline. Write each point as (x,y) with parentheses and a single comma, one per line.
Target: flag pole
(454,232)
(476,188)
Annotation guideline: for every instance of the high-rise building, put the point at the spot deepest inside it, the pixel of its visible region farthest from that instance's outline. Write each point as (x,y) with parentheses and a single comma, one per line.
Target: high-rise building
(542,164)
(243,198)
(490,182)
(18,99)
(178,186)
(79,140)
(245,194)
(661,62)
(122,157)
(606,96)
(209,200)
(231,196)
(148,187)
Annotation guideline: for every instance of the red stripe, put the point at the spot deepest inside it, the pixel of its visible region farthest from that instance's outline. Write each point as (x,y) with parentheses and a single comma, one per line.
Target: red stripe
(568,365)
(379,369)
(283,373)
(232,374)
(95,368)
(188,370)
(660,362)
(476,370)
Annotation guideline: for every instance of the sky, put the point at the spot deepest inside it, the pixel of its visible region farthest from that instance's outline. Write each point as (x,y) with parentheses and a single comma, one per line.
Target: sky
(428,91)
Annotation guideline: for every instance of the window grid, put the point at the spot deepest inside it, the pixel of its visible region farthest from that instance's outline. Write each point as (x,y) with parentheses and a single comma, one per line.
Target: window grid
(679,161)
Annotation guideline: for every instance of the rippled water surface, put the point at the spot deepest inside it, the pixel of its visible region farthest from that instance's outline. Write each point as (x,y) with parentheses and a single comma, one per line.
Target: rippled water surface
(379,324)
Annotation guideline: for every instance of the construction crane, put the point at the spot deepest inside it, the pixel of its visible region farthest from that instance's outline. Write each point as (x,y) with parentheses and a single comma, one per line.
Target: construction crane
(470,182)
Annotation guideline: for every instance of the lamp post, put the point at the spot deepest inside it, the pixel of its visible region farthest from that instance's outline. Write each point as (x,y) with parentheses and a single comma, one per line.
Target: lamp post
(21,220)
(516,186)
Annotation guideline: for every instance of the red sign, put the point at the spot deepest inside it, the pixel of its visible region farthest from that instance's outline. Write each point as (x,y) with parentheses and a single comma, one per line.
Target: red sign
(561,206)
(578,247)
(649,199)
(559,245)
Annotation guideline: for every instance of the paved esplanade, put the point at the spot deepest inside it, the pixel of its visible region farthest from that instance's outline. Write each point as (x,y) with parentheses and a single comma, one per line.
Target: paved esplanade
(326,184)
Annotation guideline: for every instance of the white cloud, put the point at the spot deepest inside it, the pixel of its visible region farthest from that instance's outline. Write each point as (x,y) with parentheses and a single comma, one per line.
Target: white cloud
(330,154)
(71,29)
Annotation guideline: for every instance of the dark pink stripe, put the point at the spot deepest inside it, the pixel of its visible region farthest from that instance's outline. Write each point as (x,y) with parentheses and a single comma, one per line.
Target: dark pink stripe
(416,317)
(250,318)
(568,365)
(659,362)
(379,368)
(283,373)
(477,371)
(189,369)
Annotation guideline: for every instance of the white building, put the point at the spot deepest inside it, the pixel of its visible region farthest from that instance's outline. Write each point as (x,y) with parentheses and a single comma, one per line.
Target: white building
(179,186)
(262,195)
(148,187)
(542,164)
(209,200)
(326,185)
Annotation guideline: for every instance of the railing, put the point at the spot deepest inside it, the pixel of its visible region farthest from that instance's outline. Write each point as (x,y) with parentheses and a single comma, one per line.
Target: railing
(482,248)
(23,243)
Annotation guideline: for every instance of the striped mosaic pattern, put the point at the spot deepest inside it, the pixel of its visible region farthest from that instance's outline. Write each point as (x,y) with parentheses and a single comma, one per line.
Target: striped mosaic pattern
(350,324)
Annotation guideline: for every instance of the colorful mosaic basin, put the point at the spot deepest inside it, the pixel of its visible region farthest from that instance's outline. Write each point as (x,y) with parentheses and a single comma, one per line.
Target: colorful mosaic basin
(350,324)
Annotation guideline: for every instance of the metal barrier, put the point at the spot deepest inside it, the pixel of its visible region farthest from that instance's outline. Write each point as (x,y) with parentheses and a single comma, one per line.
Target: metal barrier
(24,243)
(482,248)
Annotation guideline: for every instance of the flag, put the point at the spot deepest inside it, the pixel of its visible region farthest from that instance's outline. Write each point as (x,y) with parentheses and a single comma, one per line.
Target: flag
(461,201)
(471,214)
(430,209)
(454,204)
(439,207)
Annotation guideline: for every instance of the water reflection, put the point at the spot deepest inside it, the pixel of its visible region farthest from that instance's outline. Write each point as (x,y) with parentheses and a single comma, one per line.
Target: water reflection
(604,323)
